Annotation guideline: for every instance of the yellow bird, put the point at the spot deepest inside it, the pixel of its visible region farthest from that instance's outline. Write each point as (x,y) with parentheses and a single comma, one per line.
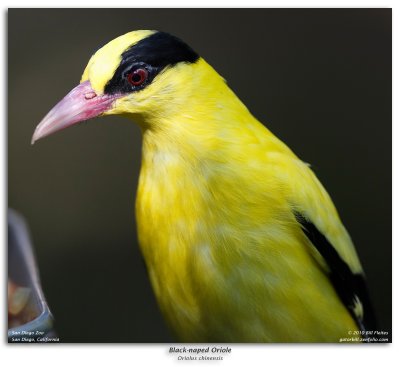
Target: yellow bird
(241,241)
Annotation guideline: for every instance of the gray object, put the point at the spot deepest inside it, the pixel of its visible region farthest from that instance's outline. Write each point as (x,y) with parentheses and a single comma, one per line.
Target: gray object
(22,270)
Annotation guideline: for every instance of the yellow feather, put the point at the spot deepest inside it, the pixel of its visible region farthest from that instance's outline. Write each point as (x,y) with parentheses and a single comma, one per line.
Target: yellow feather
(226,259)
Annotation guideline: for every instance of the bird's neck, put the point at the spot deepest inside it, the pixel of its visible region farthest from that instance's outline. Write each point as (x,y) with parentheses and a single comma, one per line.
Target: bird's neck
(205,116)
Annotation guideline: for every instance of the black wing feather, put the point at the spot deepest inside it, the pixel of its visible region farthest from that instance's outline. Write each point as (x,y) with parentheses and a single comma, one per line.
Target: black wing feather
(348,285)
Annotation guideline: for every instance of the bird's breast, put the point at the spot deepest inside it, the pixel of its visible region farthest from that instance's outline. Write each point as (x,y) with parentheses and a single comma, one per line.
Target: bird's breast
(170,216)
(224,255)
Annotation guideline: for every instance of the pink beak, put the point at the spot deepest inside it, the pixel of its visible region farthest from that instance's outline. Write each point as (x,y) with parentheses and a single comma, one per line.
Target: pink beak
(80,104)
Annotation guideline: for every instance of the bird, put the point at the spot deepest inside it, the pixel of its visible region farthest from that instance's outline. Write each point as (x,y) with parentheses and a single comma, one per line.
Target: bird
(241,241)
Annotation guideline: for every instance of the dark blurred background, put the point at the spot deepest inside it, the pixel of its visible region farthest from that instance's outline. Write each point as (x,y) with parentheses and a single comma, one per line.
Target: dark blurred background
(320,79)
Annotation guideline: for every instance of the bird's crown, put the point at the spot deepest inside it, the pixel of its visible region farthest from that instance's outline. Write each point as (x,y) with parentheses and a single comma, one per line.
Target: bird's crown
(108,67)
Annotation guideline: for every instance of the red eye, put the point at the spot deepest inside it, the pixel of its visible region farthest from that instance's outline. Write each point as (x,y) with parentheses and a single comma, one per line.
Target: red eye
(137,77)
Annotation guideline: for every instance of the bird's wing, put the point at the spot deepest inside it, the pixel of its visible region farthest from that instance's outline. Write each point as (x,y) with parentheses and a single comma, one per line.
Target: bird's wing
(331,245)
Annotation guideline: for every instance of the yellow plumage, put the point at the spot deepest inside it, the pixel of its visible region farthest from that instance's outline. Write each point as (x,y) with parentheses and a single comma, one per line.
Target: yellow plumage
(216,211)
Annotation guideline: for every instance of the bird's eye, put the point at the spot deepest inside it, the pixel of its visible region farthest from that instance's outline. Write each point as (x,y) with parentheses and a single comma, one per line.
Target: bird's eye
(138,77)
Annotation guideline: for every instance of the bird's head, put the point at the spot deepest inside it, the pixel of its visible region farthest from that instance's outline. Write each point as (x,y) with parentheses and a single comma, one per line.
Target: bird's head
(142,73)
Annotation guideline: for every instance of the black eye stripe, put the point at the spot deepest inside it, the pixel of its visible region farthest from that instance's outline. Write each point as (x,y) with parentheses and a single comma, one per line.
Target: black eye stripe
(154,53)
(120,82)
(159,50)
